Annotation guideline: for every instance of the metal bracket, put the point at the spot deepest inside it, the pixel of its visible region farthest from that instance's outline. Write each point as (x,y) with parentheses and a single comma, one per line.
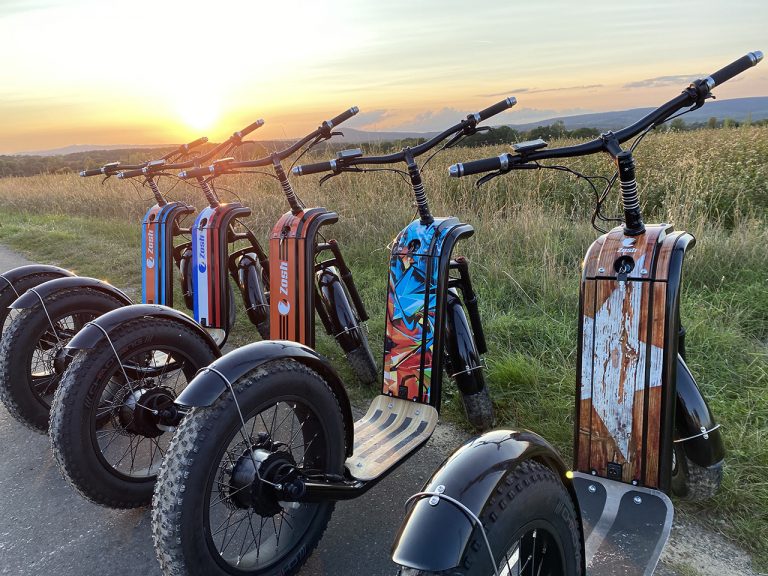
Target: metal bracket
(704,433)
(437,495)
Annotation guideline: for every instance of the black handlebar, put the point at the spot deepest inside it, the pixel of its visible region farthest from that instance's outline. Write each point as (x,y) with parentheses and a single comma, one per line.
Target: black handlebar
(307,169)
(737,67)
(195,143)
(130,173)
(129,170)
(185,148)
(495,109)
(468,126)
(250,128)
(695,94)
(479,166)
(343,117)
(196,172)
(323,131)
(108,169)
(92,172)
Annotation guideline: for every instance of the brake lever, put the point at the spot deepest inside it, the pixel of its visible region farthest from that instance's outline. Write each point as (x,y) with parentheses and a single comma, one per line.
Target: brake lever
(489,177)
(337,133)
(328,177)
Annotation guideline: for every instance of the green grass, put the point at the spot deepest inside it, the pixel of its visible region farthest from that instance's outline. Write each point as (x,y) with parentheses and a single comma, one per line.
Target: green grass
(532,230)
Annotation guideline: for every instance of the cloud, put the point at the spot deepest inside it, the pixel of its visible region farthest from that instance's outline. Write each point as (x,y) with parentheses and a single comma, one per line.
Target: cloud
(369,119)
(660,81)
(507,93)
(10,7)
(527,115)
(540,90)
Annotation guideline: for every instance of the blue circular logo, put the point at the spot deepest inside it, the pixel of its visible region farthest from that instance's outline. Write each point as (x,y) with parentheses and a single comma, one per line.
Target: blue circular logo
(201,267)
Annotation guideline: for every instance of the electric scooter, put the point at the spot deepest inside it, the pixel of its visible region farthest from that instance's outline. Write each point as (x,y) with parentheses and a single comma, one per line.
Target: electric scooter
(642,429)
(268,443)
(300,281)
(136,360)
(50,312)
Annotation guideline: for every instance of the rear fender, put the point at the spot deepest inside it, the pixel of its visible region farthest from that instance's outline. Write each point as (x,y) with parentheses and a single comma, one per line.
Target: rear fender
(434,538)
(12,276)
(208,385)
(95,330)
(32,297)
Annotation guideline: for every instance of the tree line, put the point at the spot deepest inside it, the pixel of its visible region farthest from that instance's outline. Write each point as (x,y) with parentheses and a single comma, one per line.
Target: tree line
(502,135)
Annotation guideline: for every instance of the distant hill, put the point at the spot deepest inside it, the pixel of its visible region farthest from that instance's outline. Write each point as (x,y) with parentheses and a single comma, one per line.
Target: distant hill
(76,148)
(738,109)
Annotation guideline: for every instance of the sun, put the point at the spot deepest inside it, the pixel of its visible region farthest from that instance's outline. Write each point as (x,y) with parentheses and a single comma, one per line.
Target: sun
(198,111)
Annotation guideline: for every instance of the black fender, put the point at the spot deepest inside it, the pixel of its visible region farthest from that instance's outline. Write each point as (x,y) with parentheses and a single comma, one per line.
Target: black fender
(692,418)
(185,277)
(251,283)
(207,386)
(13,275)
(94,331)
(32,297)
(463,359)
(341,317)
(434,538)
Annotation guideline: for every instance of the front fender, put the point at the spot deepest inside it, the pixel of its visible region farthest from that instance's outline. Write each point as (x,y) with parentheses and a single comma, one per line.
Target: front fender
(44,290)
(93,332)
(435,538)
(692,417)
(207,386)
(15,274)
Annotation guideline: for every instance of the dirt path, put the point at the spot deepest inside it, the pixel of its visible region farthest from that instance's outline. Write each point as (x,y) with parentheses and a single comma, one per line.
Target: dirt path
(47,529)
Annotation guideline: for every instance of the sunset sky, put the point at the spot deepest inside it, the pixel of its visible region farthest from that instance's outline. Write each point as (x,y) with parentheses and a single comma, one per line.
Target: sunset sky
(165,71)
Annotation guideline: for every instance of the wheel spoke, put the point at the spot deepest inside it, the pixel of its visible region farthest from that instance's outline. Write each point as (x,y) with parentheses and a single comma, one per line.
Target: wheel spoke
(246,532)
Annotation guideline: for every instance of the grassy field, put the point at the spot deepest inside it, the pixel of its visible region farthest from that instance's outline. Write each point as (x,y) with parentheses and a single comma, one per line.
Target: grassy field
(532,230)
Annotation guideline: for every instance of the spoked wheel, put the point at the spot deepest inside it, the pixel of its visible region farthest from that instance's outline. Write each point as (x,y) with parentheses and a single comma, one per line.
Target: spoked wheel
(32,342)
(111,421)
(532,529)
(216,510)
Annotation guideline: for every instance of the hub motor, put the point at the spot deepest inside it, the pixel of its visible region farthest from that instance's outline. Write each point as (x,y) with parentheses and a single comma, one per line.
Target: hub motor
(140,412)
(247,489)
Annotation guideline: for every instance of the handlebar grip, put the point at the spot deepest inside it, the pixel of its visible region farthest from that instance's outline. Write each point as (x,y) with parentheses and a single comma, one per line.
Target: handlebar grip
(90,172)
(308,169)
(343,117)
(196,172)
(500,162)
(495,109)
(250,128)
(130,173)
(194,144)
(734,68)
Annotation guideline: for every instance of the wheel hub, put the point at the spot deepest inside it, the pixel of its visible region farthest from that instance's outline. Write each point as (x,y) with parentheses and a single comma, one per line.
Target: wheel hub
(141,409)
(246,489)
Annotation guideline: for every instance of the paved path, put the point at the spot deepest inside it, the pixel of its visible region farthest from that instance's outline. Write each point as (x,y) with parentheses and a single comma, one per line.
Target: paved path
(47,529)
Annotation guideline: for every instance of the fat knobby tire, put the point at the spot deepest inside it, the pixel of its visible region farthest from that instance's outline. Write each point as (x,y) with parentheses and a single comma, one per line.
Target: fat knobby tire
(528,494)
(180,542)
(8,294)
(693,482)
(20,340)
(362,362)
(79,392)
